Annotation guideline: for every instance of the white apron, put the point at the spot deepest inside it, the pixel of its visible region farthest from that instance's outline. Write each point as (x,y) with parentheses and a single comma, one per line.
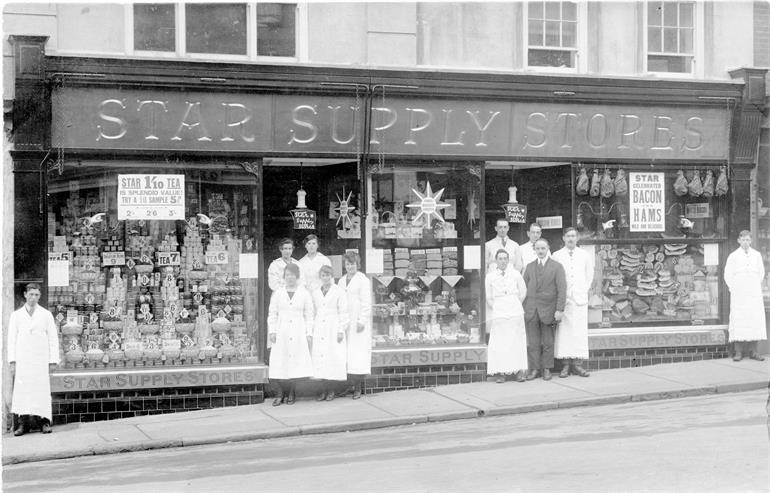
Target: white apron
(33,343)
(311,268)
(571,337)
(291,319)
(359,297)
(744,273)
(331,317)
(507,349)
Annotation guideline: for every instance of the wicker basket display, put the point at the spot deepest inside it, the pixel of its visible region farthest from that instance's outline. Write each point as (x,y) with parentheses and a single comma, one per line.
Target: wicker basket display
(184,328)
(148,329)
(172,353)
(72,329)
(152,354)
(94,355)
(220,325)
(134,354)
(116,355)
(74,356)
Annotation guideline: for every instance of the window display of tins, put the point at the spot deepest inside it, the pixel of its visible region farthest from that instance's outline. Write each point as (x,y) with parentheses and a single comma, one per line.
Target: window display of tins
(654,282)
(150,292)
(424,223)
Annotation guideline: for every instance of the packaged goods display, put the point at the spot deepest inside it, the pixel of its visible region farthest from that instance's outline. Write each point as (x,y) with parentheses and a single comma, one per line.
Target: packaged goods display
(152,292)
(423,295)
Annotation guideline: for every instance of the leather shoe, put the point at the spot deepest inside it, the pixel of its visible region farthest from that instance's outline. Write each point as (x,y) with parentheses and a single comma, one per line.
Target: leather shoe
(499,379)
(46,428)
(579,371)
(564,373)
(330,396)
(533,374)
(19,431)
(738,356)
(357,393)
(546,374)
(757,356)
(322,396)
(290,400)
(279,400)
(520,377)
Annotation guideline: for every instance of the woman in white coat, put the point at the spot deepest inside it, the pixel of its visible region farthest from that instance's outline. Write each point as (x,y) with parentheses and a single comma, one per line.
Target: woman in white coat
(505,291)
(331,321)
(290,329)
(744,273)
(311,263)
(359,333)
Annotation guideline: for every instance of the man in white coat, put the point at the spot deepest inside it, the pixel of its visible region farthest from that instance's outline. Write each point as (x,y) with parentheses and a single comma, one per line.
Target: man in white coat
(275,270)
(744,273)
(501,241)
(571,339)
(527,249)
(33,351)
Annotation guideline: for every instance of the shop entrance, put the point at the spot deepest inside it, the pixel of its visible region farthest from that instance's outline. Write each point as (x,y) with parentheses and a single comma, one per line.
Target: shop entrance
(545,190)
(326,183)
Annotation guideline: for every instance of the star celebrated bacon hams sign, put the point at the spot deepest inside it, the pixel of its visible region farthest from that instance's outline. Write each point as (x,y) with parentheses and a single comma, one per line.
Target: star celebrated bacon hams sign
(429,205)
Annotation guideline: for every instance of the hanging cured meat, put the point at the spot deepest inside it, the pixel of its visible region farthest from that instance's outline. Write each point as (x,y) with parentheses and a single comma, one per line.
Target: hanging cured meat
(582,183)
(680,185)
(607,187)
(708,185)
(695,188)
(722,187)
(595,184)
(621,185)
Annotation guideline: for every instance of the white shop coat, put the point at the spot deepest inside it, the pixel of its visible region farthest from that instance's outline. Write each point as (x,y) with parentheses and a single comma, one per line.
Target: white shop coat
(33,343)
(359,297)
(291,319)
(514,253)
(275,273)
(744,272)
(331,317)
(310,269)
(571,338)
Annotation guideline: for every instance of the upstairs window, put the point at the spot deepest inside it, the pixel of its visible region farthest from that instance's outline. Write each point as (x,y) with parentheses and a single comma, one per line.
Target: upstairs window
(552,34)
(670,36)
(241,30)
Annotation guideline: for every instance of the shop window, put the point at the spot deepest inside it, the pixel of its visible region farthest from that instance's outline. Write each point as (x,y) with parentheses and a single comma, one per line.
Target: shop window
(217,29)
(172,284)
(425,255)
(671,36)
(658,236)
(552,34)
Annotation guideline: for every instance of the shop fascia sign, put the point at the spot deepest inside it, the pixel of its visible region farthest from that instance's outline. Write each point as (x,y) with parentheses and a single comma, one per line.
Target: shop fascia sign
(137,119)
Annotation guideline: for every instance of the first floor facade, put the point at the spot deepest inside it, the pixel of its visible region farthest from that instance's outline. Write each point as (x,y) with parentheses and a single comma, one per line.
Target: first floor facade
(151,199)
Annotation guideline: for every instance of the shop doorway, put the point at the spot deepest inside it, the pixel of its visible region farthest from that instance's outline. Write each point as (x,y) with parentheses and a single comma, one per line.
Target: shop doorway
(325,182)
(545,190)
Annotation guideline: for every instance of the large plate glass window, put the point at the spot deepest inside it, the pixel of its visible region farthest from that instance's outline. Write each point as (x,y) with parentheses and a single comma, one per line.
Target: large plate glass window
(168,283)
(425,254)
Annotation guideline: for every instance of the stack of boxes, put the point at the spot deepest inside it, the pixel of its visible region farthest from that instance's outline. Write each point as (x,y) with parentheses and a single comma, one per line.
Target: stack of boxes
(449,261)
(418,261)
(434,263)
(388,267)
(401,261)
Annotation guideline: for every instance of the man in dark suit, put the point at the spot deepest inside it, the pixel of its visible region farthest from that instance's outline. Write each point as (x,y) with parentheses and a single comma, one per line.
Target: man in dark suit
(543,307)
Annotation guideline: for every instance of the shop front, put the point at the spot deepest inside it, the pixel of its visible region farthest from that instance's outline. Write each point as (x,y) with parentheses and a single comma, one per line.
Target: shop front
(166,196)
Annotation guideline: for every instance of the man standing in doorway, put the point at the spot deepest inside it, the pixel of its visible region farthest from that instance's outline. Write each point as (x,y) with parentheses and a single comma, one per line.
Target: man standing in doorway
(744,273)
(543,309)
(501,241)
(528,254)
(33,351)
(571,342)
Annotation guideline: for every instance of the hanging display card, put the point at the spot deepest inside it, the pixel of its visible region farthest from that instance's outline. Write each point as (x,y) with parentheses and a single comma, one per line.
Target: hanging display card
(710,254)
(247,265)
(515,213)
(303,218)
(471,257)
(58,273)
(647,199)
(157,197)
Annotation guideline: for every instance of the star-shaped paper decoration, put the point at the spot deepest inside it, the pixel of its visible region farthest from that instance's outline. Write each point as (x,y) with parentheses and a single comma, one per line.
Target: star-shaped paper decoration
(429,205)
(344,209)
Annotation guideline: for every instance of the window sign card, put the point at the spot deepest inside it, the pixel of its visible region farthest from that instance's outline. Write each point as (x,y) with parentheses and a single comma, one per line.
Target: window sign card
(58,273)
(157,197)
(647,199)
(471,257)
(710,254)
(168,258)
(247,265)
(110,259)
(375,261)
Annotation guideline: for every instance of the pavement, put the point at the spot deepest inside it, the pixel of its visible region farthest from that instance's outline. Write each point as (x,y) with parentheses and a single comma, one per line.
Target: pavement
(406,407)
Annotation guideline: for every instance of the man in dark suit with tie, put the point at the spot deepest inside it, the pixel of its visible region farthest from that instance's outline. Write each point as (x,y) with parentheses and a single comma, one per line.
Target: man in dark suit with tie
(543,307)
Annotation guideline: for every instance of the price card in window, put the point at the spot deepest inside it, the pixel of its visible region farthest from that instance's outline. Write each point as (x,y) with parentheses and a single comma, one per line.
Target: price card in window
(59,256)
(216,258)
(154,197)
(110,259)
(168,258)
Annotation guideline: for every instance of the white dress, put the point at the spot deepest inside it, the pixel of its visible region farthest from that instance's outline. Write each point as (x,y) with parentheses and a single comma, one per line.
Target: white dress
(291,319)
(275,273)
(359,297)
(331,317)
(744,272)
(33,343)
(571,337)
(507,349)
(310,269)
